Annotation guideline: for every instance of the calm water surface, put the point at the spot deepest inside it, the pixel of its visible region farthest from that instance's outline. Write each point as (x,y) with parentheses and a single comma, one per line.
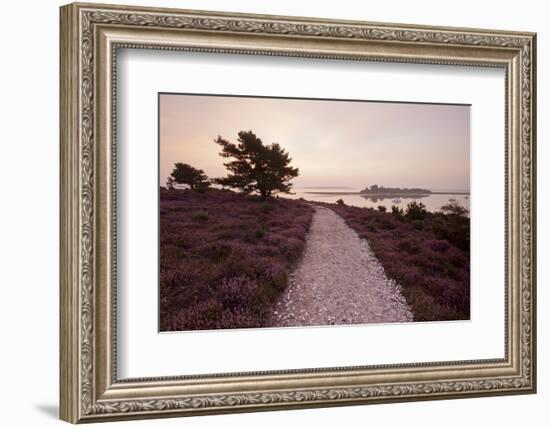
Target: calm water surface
(433,202)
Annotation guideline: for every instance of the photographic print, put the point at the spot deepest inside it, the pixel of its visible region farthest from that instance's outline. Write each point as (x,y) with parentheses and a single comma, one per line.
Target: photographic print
(278,212)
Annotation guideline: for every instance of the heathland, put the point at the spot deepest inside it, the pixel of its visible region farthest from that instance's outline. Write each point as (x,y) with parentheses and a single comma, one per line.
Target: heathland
(225,257)
(228,260)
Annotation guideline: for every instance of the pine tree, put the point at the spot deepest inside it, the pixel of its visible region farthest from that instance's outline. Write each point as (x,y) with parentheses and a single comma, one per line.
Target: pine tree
(187,174)
(256,167)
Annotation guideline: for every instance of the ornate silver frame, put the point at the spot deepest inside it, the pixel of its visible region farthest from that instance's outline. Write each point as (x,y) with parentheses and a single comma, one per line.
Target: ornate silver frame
(90,36)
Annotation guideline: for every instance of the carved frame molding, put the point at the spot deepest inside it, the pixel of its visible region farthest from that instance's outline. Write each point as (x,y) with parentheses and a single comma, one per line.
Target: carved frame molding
(89,387)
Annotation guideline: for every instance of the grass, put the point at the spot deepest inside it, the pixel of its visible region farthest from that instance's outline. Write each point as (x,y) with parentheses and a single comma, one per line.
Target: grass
(225,257)
(428,254)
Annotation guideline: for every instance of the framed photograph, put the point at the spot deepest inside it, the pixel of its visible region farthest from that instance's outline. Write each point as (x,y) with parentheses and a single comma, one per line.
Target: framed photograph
(266,212)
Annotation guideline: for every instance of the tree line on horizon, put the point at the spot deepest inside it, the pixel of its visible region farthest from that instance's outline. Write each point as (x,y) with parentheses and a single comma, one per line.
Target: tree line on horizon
(376,189)
(254,167)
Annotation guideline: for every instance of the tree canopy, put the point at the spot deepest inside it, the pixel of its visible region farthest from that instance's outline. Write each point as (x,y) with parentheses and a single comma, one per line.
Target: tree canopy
(256,167)
(187,174)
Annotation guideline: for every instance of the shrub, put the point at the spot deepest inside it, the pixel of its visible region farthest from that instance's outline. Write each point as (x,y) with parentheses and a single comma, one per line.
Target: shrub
(215,252)
(455,229)
(453,208)
(237,292)
(438,245)
(382,208)
(418,224)
(416,210)
(387,223)
(397,212)
(408,245)
(340,202)
(260,233)
(201,216)
(267,207)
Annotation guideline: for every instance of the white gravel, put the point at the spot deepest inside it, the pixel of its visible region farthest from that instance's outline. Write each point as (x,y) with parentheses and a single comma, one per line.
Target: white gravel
(338,281)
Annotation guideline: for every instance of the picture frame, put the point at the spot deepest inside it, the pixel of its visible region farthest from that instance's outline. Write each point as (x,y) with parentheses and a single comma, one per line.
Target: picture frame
(91,36)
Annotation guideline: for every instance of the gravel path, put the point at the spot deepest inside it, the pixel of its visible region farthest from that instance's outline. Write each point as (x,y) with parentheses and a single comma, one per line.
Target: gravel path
(338,281)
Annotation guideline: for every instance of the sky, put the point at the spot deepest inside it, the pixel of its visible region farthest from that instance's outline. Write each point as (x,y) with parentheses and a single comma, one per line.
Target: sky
(333,143)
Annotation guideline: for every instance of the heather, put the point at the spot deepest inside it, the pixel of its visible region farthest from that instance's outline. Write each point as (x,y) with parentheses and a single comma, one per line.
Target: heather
(225,257)
(428,254)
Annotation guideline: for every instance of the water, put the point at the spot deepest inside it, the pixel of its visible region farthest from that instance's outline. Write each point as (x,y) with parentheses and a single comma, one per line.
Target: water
(433,202)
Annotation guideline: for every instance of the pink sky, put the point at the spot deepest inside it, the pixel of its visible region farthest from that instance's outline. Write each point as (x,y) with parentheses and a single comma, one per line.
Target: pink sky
(333,143)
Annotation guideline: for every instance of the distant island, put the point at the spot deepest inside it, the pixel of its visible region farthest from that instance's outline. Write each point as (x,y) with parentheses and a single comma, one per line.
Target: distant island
(380,191)
(394,191)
